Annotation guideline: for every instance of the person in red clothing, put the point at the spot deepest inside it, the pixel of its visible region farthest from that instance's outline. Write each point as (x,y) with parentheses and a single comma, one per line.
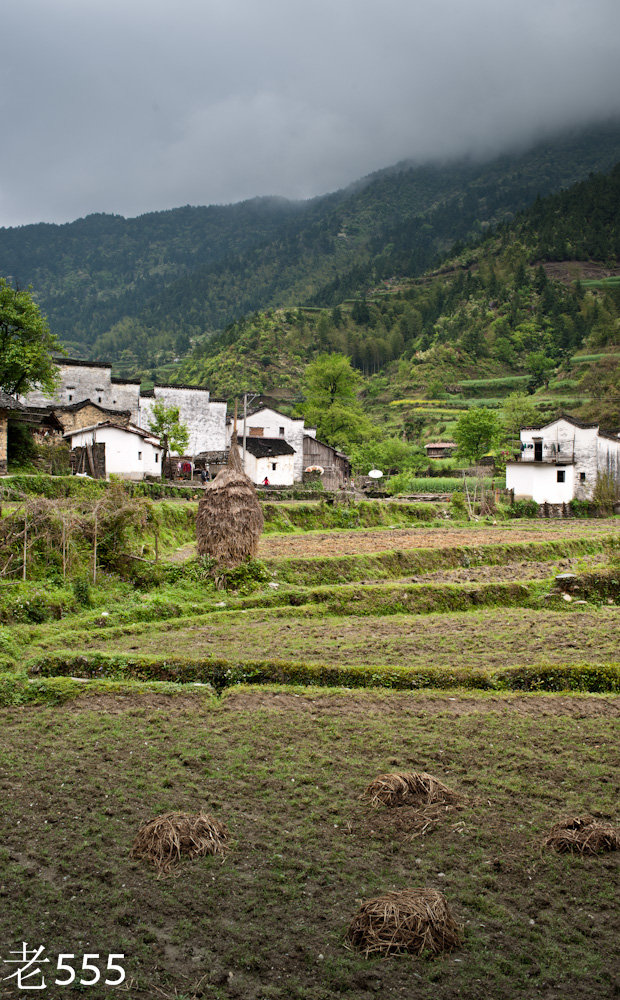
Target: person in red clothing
(265,481)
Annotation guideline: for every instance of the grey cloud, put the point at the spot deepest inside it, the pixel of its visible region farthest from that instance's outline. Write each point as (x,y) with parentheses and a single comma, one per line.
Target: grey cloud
(135,106)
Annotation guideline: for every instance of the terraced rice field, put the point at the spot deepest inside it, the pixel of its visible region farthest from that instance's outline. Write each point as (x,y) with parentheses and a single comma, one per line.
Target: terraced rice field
(97,735)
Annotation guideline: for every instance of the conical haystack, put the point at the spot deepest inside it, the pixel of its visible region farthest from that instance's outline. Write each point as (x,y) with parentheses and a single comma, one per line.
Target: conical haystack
(230,518)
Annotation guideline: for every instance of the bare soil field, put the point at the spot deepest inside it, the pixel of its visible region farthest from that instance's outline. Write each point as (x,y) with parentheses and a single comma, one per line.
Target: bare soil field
(334,543)
(285,771)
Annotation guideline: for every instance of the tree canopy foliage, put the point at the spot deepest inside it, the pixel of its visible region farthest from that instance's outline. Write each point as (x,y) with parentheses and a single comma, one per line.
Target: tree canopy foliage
(26,343)
(165,424)
(477,432)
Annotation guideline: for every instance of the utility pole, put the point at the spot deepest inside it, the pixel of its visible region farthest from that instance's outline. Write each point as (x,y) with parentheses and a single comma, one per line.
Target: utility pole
(253,396)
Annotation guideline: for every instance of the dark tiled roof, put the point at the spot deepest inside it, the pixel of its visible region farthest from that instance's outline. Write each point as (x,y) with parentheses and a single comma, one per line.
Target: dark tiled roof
(81,364)
(9,402)
(129,429)
(563,416)
(266,447)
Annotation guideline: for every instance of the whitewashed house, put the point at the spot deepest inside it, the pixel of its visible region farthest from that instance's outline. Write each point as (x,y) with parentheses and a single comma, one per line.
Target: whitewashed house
(271,459)
(81,381)
(562,460)
(265,422)
(129,451)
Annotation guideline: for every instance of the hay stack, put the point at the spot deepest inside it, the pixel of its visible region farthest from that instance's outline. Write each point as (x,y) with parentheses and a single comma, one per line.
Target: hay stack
(163,840)
(412,920)
(582,835)
(230,518)
(408,788)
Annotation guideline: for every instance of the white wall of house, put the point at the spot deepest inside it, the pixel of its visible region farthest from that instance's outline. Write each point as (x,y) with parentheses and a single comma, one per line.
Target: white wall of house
(277,425)
(539,482)
(80,380)
(127,454)
(279,469)
(582,451)
(205,419)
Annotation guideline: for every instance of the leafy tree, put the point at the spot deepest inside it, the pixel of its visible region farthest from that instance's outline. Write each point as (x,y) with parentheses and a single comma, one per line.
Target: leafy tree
(26,344)
(330,379)
(166,425)
(476,432)
(518,411)
(392,455)
(338,425)
(540,366)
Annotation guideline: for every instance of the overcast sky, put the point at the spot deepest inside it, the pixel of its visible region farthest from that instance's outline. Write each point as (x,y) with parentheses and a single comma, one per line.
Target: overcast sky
(129,106)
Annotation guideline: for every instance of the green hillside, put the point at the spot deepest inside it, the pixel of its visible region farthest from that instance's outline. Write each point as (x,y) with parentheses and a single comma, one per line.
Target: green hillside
(143,290)
(494,319)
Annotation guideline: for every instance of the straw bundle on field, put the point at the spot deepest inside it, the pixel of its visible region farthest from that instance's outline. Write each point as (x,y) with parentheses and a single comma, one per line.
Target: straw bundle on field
(412,920)
(409,788)
(582,835)
(163,840)
(230,518)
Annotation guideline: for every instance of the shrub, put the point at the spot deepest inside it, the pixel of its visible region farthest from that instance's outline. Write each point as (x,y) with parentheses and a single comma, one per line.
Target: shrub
(523,508)
(81,591)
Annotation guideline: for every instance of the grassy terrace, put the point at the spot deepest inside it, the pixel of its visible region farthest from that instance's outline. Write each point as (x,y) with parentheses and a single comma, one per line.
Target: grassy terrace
(124,700)
(445,605)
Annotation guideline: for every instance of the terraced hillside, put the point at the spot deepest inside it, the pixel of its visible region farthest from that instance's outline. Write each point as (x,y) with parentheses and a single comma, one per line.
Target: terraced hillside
(434,603)
(129,699)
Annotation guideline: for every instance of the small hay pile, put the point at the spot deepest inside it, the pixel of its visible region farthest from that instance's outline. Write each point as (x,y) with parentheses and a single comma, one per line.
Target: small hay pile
(582,835)
(409,788)
(230,519)
(410,921)
(163,840)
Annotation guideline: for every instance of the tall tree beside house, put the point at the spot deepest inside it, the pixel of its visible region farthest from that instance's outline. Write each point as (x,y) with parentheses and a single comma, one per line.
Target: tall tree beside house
(331,385)
(476,432)
(26,344)
(166,425)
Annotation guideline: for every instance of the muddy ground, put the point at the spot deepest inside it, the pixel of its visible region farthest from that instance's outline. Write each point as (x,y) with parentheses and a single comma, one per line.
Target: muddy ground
(286,773)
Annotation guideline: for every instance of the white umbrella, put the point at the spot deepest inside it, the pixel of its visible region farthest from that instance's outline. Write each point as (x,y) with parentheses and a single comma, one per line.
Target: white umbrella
(375,474)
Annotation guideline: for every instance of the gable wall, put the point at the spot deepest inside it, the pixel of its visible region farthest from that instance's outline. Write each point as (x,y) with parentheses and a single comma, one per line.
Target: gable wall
(206,420)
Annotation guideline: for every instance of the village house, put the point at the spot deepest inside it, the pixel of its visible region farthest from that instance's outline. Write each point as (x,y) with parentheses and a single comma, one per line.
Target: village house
(73,416)
(8,407)
(335,465)
(440,449)
(109,448)
(265,422)
(92,382)
(562,460)
(271,459)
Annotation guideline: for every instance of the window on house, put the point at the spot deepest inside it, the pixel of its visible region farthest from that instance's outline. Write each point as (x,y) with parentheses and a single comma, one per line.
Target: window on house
(282,432)
(561,476)
(98,399)
(582,477)
(156,457)
(139,455)
(274,465)
(70,397)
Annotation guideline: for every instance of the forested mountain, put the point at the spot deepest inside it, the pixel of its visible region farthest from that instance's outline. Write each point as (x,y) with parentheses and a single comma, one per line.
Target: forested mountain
(494,312)
(141,291)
